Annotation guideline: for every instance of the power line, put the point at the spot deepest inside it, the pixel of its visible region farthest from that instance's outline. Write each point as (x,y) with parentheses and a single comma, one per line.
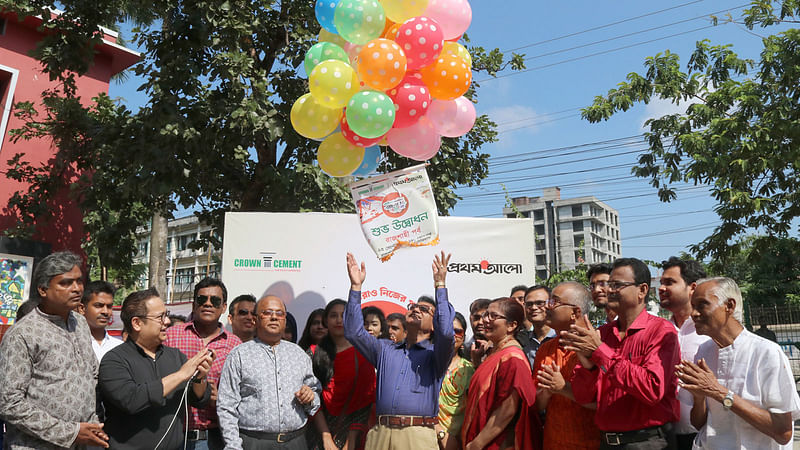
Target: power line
(567,147)
(573,161)
(536,158)
(672,231)
(600,27)
(536,116)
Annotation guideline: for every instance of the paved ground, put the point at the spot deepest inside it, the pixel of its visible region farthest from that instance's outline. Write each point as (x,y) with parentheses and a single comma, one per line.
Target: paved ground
(797,435)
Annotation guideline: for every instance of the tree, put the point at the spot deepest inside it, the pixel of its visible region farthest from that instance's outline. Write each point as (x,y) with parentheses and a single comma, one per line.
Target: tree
(739,134)
(221,78)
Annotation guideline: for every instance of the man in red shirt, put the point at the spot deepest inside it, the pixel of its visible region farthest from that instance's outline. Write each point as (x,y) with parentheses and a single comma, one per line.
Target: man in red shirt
(210,300)
(627,366)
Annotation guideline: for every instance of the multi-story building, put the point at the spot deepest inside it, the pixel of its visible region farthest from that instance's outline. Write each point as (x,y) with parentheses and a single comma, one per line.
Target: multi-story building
(185,265)
(569,232)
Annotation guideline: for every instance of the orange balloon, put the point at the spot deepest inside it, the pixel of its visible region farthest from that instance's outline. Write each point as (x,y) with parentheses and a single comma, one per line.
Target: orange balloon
(448,77)
(381,64)
(386,27)
(391,32)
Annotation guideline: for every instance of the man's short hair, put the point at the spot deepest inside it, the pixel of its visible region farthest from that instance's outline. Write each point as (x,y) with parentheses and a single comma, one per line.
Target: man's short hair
(427,299)
(599,268)
(239,299)
(725,288)
(211,282)
(479,304)
(641,274)
(583,298)
(397,316)
(536,287)
(691,270)
(520,287)
(51,266)
(97,287)
(134,306)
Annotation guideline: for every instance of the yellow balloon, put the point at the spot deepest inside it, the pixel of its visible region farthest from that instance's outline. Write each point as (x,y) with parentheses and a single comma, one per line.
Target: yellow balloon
(454,48)
(333,82)
(327,36)
(338,157)
(401,10)
(312,120)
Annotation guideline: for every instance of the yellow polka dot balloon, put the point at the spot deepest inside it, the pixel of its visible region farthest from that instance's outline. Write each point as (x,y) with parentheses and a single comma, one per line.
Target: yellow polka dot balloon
(448,77)
(312,120)
(327,36)
(338,157)
(402,10)
(333,82)
(381,64)
(454,48)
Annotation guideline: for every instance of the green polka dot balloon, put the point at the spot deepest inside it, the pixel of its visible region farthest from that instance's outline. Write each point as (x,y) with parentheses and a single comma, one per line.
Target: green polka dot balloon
(323,51)
(359,21)
(370,114)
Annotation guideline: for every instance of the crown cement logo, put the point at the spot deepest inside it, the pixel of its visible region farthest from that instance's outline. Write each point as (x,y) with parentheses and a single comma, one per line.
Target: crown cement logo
(268,261)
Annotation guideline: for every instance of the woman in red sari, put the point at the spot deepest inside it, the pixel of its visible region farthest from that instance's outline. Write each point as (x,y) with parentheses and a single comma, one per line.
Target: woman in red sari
(500,412)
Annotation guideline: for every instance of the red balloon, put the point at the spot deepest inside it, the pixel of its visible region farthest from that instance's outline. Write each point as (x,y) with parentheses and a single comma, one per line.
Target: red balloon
(411,98)
(422,39)
(355,139)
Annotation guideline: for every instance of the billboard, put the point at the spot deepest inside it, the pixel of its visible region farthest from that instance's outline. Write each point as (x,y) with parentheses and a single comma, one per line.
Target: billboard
(15,280)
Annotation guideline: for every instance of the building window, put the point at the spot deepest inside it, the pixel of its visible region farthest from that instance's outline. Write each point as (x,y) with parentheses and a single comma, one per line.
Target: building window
(143,247)
(539,230)
(8,83)
(577,225)
(184,241)
(540,260)
(541,274)
(538,214)
(2,26)
(577,240)
(580,256)
(540,244)
(577,210)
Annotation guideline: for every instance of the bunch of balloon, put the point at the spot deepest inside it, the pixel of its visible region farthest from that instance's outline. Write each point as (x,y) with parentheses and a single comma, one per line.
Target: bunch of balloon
(385,72)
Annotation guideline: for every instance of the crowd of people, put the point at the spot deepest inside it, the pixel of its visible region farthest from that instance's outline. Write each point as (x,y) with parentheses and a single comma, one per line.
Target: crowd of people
(536,373)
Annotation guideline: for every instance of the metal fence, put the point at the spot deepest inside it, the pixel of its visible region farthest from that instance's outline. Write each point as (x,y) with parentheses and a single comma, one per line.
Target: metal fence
(782,322)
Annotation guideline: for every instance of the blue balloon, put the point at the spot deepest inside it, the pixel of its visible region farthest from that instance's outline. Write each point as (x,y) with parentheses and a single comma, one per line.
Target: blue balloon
(324,11)
(372,157)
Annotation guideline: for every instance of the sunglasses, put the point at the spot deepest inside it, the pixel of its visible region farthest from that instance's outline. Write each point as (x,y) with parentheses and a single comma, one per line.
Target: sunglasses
(202,299)
(424,309)
(246,312)
(458,331)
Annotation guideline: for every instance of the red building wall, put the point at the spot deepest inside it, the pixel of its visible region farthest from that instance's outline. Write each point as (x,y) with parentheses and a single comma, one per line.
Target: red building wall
(64,230)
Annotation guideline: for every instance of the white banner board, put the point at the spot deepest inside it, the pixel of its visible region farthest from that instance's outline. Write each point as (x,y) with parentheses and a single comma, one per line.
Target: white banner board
(300,257)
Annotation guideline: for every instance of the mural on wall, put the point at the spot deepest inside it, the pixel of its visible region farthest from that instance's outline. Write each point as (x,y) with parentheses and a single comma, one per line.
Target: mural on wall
(15,279)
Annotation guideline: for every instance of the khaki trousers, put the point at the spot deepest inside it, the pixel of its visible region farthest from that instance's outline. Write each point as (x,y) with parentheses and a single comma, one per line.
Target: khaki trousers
(381,437)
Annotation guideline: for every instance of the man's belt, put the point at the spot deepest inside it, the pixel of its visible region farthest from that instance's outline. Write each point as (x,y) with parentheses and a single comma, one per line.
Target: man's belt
(628,437)
(408,421)
(197,435)
(277,437)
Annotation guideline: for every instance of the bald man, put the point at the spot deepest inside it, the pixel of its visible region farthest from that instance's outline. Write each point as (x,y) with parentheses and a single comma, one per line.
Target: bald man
(256,374)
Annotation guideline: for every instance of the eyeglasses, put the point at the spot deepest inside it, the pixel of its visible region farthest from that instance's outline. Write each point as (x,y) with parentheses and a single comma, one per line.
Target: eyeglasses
(161,317)
(536,304)
(202,299)
(492,316)
(555,303)
(458,331)
(273,313)
(246,312)
(617,285)
(424,309)
(598,284)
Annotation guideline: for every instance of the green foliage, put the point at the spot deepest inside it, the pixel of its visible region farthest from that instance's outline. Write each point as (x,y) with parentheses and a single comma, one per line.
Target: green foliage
(739,134)
(215,134)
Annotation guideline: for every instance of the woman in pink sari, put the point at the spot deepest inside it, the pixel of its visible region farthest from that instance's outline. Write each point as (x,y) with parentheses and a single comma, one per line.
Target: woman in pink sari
(500,412)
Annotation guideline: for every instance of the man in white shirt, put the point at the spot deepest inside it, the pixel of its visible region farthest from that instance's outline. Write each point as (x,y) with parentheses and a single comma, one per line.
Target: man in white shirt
(678,282)
(96,306)
(744,395)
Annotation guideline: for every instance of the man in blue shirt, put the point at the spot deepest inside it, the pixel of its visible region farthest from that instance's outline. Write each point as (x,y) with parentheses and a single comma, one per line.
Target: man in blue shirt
(410,372)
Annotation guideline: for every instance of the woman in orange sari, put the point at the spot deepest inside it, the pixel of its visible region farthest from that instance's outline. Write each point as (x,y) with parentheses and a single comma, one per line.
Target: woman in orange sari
(500,412)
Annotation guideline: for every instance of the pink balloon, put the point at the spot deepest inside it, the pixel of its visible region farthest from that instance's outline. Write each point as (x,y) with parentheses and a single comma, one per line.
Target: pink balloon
(419,141)
(421,39)
(453,15)
(452,118)
(352,51)
(355,139)
(411,98)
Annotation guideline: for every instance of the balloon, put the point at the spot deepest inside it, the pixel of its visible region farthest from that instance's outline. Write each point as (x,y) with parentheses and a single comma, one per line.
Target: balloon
(421,40)
(372,157)
(337,157)
(448,78)
(324,10)
(391,32)
(454,48)
(323,51)
(412,99)
(370,113)
(402,10)
(327,36)
(355,139)
(332,82)
(359,21)
(453,15)
(381,64)
(312,120)
(419,141)
(352,52)
(452,118)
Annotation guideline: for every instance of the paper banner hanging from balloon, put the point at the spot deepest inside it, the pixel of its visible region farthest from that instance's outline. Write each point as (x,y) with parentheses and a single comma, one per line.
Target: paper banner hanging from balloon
(372,158)
(337,157)
(452,118)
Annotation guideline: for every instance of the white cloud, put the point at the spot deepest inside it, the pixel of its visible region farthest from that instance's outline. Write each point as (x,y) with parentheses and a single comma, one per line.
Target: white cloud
(519,118)
(659,108)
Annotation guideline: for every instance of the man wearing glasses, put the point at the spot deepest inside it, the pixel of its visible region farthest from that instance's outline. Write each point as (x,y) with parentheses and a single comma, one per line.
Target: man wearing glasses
(268,390)
(242,317)
(628,365)
(410,373)
(205,330)
(142,382)
(538,332)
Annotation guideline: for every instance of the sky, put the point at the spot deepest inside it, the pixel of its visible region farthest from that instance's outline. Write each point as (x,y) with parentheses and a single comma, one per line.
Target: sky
(577,50)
